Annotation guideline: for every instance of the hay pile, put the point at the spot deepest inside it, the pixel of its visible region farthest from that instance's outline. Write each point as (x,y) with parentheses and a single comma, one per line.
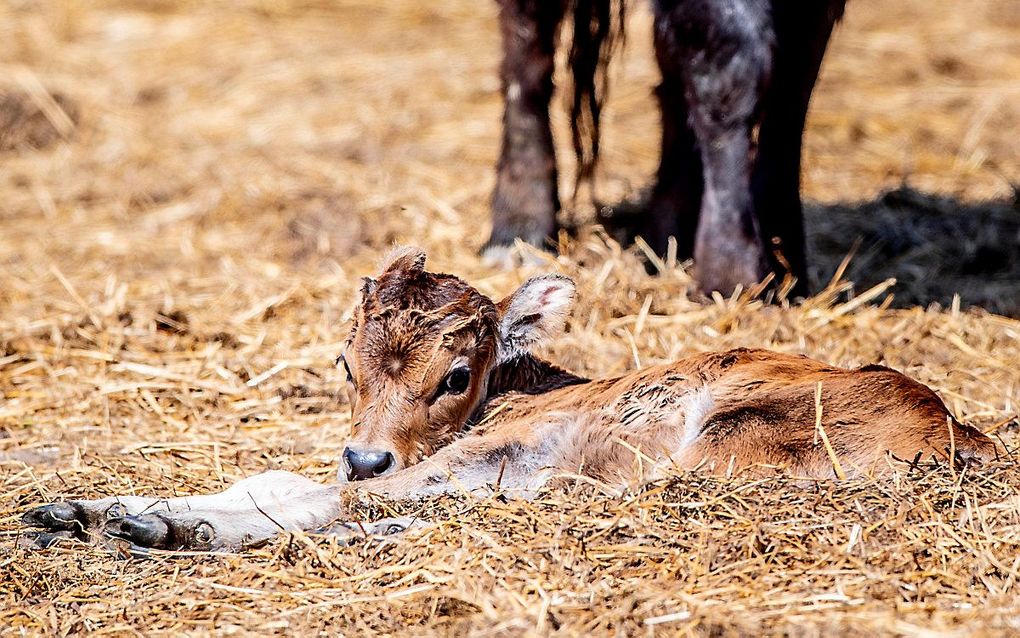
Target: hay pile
(195,191)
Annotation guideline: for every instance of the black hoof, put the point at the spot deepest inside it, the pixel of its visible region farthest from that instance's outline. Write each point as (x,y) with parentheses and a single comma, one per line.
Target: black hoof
(148,530)
(56,517)
(43,540)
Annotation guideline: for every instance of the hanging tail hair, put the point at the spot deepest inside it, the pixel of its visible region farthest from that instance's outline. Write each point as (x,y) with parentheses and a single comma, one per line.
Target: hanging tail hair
(598,29)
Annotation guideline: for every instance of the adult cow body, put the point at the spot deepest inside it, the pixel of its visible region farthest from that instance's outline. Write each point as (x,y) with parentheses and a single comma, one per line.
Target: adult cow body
(737,76)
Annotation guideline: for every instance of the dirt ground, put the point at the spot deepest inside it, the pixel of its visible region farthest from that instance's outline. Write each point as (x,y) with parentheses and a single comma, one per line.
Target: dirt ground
(190,192)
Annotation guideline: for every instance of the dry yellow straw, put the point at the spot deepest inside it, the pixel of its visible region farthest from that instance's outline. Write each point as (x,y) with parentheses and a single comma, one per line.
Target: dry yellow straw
(836,467)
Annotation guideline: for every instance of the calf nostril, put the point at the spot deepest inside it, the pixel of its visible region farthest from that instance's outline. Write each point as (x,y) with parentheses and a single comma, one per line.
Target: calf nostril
(384,464)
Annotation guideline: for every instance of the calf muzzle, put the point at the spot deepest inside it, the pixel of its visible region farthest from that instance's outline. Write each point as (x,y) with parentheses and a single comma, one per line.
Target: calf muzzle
(366,464)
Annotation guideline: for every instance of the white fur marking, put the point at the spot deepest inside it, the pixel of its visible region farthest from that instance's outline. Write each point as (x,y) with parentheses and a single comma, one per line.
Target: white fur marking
(698,406)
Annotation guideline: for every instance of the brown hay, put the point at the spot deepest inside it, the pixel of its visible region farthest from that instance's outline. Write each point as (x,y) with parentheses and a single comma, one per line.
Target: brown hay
(175,278)
(34,121)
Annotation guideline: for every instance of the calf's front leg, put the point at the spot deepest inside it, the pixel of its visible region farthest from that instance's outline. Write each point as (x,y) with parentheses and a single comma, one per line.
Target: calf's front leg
(262,506)
(518,465)
(248,512)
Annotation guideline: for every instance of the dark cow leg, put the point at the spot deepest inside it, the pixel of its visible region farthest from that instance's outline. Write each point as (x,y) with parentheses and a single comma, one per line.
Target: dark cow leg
(725,49)
(676,197)
(526,200)
(802,29)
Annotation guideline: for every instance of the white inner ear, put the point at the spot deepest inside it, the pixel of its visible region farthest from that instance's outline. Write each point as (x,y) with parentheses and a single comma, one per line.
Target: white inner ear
(537,311)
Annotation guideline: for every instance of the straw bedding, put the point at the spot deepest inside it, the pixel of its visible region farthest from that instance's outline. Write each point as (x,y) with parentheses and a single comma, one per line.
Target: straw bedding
(190,193)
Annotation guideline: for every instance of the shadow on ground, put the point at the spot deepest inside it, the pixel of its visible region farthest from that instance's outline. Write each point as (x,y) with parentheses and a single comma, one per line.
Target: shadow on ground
(935,247)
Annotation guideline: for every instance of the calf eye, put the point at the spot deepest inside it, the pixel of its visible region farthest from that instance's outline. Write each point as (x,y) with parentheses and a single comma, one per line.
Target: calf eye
(456,382)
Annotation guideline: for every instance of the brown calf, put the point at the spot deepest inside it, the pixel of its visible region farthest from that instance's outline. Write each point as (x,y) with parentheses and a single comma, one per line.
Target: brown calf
(446,397)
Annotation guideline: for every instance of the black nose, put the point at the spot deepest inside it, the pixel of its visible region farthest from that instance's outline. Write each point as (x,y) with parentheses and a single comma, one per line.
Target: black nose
(366,464)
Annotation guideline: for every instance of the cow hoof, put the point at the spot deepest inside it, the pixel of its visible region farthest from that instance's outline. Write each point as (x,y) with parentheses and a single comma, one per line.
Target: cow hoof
(512,257)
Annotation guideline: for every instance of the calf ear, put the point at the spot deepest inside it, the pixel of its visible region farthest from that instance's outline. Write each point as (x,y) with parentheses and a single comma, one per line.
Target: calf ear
(406,260)
(368,287)
(535,312)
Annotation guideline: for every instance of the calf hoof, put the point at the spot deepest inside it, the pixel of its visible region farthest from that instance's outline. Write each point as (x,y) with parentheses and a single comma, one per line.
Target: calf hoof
(148,530)
(44,540)
(349,533)
(66,516)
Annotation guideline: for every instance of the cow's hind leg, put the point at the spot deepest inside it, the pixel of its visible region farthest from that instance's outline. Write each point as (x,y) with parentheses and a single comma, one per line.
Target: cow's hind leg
(250,511)
(675,200)
(802,30)
(672,206)
(526,200)
(724,48)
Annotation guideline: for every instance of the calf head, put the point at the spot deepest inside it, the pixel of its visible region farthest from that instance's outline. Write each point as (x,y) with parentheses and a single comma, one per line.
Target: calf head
(420,354)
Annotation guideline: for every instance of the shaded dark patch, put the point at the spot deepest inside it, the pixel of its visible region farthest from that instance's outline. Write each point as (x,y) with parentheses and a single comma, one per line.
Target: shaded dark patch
(630,414)
(529,375)
(226,339)
(752,385)
(731,357)
(299,391)
(24,125)
(175,321)
(450,607)
(729,422)
(151,94)
(935,246)
(511,451)
(874,367)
